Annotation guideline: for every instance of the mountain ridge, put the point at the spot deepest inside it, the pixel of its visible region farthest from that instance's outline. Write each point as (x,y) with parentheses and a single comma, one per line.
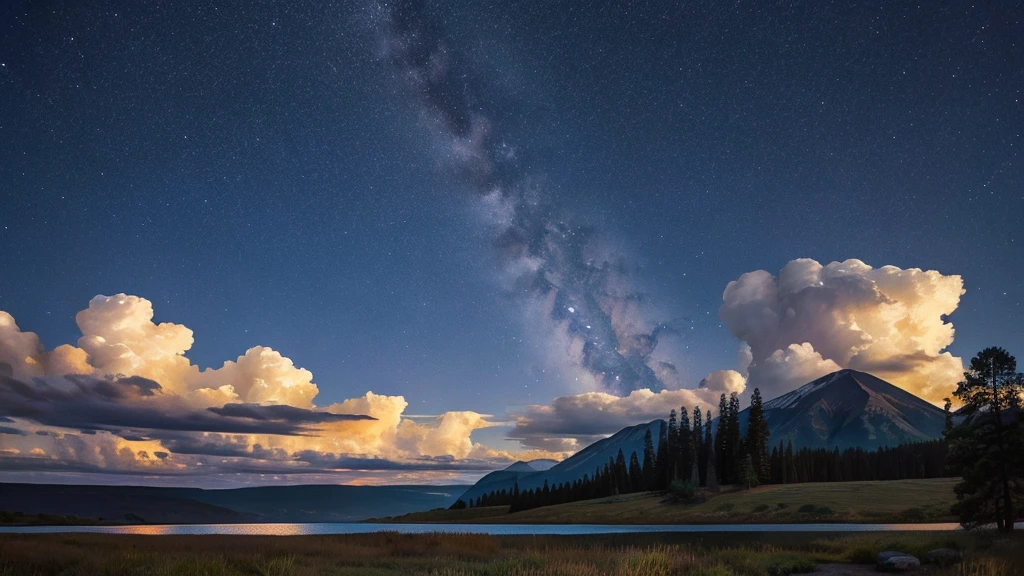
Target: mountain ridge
(844,409)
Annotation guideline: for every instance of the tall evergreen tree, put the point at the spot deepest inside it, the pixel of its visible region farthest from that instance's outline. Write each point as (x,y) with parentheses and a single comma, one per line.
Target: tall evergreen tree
(709,446)
(988,444)
(621,474)
(700,451)
(758,437)
(721,432)
(636,473)
(684,452)
(648,464)
(746,474)
(734,440)
(670,455)
(661,458)
(712,473)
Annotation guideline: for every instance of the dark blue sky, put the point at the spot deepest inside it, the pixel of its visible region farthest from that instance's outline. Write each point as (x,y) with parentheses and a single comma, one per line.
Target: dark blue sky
(259,173)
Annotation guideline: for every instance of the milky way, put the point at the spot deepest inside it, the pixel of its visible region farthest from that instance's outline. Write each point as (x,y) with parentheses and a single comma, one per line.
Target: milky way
(590,293)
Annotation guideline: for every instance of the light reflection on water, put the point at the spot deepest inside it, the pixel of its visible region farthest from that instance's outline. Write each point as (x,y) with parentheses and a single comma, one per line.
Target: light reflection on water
(495,529)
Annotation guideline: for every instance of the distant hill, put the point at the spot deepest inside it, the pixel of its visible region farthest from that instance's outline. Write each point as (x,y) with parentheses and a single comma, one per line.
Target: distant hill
(308,503)
(585,461)
(850,409)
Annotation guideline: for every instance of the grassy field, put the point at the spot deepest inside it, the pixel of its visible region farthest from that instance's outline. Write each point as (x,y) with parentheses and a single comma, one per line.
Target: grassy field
(385,554)
(881,502)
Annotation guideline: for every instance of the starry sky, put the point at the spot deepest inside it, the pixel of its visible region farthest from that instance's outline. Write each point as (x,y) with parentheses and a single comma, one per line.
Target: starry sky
(266,173)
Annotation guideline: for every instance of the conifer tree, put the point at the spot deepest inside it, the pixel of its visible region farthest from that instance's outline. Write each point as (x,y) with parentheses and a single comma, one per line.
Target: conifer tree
(648,464)
(670,453)
(758,437)
(699,450)
(621,474)
(708,448)
(636,474)
(988,445)
(720,439)
(661,458)
(684,450)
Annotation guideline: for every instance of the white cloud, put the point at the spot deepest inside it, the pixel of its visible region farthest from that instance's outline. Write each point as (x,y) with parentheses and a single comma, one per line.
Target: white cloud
(571,422)
(120,340)
(812,319)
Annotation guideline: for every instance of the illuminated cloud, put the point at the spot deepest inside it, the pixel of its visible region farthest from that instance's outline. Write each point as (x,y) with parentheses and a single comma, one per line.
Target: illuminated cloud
(810,320)
(127,400)
(571,422)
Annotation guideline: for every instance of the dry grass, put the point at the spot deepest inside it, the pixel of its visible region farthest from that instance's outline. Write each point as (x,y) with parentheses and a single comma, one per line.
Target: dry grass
(871,502)
(385,554)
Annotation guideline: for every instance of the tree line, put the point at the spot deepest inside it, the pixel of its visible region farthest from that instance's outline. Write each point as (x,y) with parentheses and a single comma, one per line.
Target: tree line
(785,465)
(983,443)
(703,452)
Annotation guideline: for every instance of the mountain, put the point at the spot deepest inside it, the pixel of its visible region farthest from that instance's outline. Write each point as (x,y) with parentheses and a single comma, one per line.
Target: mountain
(308,503)
(850,409)
(585,461)
(845,409)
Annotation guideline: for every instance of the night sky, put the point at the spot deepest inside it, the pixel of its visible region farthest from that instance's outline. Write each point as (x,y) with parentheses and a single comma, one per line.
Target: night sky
(267,174)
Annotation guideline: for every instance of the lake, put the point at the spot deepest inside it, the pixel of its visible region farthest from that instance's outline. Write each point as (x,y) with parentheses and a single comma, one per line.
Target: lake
(494,529)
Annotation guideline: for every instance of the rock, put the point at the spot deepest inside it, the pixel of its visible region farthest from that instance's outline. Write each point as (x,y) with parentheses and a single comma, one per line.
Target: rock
(943,556)
(896,562)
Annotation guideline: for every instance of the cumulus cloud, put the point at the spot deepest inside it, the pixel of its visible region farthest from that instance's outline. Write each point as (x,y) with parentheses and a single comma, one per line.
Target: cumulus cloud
(810,320)
(127,399)
(571,422)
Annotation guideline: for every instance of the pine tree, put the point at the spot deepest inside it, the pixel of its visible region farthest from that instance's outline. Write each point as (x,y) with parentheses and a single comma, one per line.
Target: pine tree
(661,459)
(648,465)
(621,474)
(709,445)
(720,440)
(758,437)
(700,453)
(712,473)
(636,473)
(684,450)
(988,445)
(734,440)
(670,457)
(747,475)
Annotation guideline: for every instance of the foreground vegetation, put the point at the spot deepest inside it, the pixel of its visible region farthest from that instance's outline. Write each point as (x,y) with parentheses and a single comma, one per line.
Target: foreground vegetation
(871,502)
(384,554)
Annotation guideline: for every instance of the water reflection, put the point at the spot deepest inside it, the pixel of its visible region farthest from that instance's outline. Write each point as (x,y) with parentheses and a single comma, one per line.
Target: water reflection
(495,529)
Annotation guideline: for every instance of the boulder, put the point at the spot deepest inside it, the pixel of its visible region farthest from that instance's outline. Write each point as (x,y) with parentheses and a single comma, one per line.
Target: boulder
(892,561)
(943,556)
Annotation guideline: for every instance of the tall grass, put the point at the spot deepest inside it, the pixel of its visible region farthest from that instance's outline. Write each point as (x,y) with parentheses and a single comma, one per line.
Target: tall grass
(389,553)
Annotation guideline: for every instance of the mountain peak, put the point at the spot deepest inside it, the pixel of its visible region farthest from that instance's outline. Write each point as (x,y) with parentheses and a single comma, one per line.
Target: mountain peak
(850,408)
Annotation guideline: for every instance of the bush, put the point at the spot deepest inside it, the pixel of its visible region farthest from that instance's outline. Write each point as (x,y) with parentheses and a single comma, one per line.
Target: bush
(817,510)
(682,490)
(724,507)
(761,508)
(781,506)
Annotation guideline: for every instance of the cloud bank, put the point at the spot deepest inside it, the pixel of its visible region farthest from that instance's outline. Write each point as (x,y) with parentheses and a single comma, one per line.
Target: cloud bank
(570,423)
(127,400)
(810,320)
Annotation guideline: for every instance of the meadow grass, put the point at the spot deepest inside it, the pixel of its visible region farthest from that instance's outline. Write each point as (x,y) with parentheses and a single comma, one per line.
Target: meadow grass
(894,501)
(389,553)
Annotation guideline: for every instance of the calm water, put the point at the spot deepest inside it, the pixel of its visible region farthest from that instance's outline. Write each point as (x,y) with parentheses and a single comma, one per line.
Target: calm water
(496,529)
